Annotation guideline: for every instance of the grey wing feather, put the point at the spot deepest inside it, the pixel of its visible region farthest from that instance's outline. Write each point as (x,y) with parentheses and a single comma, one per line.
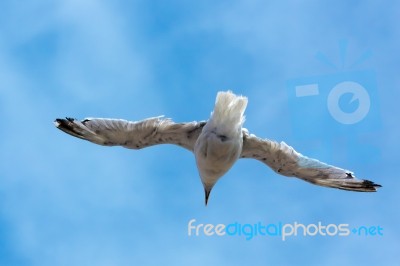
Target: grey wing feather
(284,160)
(134,135)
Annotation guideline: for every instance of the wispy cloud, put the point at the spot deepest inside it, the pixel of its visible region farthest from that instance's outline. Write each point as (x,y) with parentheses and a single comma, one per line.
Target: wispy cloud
(66,201)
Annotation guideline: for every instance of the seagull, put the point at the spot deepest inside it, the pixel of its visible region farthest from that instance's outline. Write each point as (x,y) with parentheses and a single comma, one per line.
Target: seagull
(216,143)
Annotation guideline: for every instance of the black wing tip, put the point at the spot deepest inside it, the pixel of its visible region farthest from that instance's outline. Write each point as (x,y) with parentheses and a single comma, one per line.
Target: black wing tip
(364,186)
(69,126)
(59,122)
(369,185)
(355,185)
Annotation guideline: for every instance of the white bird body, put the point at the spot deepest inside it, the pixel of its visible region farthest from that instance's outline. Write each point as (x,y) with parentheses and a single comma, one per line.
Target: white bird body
(217,144)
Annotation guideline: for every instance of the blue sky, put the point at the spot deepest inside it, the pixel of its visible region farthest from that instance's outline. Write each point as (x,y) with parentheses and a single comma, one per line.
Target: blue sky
(64,201)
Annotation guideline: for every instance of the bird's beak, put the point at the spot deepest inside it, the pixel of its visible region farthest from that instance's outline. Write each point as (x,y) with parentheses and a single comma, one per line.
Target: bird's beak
(207,192)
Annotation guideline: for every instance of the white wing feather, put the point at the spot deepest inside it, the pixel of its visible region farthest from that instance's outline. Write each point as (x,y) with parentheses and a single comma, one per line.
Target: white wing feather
(284,160)
(133,135)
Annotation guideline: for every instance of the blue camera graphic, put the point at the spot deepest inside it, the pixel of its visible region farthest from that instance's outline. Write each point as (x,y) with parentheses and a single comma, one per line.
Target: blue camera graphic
(335,109)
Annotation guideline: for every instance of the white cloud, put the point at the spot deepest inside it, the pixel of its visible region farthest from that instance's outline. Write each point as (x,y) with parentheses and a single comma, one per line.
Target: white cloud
(68,201)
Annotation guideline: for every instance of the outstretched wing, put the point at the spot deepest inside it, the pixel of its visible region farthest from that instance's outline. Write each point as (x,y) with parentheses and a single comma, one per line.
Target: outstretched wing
(284,160)
(133,135)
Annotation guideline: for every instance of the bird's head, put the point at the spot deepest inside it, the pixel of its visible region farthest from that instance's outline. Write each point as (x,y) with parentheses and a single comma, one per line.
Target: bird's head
(209,177)
(207,191)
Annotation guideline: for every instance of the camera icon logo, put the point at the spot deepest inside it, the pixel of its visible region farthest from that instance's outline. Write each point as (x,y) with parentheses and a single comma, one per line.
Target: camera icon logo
(359,93)
(339,106)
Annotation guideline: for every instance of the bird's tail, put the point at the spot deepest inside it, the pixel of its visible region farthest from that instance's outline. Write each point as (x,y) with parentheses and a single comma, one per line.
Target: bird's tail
(228,111)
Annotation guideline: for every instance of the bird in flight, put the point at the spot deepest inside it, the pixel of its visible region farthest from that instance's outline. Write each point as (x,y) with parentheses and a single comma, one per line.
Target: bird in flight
(216,143)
